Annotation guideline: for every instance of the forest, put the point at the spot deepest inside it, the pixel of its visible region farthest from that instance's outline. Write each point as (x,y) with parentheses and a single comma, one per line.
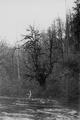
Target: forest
(45,62)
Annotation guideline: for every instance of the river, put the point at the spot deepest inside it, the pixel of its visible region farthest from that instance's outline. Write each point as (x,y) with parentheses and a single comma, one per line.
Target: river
(34,109)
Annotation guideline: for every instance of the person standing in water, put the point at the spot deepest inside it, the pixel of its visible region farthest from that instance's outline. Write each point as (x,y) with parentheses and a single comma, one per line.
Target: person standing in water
(29,94)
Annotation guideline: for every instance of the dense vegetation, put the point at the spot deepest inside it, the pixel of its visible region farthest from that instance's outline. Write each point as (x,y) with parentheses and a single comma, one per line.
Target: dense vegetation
(47,63)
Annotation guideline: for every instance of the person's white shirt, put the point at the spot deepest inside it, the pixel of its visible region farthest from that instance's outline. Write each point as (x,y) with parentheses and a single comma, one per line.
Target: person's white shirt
(29,94)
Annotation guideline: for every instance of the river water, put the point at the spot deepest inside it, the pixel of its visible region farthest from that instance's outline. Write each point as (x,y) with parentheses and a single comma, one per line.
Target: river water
(34,109)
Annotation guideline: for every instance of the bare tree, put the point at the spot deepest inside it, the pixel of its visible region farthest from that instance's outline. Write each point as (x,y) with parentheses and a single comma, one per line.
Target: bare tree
(40,61)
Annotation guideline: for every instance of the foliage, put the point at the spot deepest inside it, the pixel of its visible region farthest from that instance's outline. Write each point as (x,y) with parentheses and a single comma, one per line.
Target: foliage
(76,24)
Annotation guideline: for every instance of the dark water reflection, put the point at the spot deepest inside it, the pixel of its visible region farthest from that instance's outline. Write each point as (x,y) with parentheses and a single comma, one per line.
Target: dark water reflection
(34,109)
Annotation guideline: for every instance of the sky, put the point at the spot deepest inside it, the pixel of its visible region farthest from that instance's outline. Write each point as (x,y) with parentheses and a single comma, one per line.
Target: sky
(16,15)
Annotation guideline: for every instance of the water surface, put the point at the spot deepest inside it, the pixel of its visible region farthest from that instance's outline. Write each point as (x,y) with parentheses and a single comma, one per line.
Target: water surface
(34,109)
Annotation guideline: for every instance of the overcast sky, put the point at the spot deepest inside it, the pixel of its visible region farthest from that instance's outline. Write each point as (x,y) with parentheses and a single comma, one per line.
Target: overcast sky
(16,15)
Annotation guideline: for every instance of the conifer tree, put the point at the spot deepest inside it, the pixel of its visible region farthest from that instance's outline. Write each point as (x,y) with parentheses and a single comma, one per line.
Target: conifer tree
(76,24)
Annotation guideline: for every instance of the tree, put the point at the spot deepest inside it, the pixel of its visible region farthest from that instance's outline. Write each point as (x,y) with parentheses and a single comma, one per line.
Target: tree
(33,48)
(40,60)
(76,24)
(60,36)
